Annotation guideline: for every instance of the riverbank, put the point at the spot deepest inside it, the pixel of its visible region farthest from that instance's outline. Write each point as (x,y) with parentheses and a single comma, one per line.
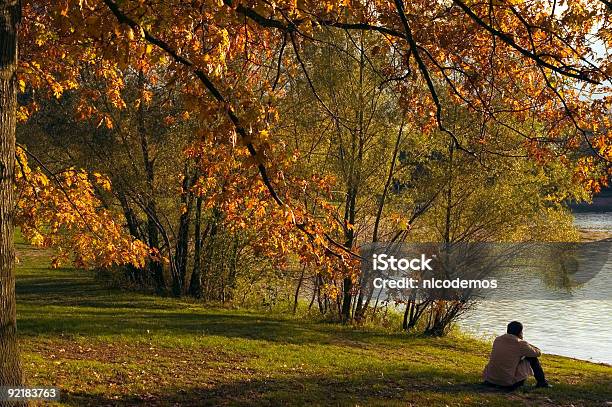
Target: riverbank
(107,347)
(556,326)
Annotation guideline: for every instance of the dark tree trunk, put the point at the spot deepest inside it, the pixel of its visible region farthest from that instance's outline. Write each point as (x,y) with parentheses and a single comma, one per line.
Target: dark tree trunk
(195,283)
(130,217)
(347,283)
(233,269)
(135,274)
(347,296)
(314,293)
(182,243)
(322,301)
(155,266)
(10,367)
(208,285)
(296,297)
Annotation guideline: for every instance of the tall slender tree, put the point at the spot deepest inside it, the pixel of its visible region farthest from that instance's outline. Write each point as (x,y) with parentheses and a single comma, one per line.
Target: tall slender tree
(10,367)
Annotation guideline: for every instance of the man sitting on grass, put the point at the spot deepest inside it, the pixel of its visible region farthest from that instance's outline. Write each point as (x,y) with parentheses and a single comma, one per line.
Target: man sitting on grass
(513,360)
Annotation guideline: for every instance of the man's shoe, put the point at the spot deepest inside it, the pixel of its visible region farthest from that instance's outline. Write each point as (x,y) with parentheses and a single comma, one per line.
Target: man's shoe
(544,385)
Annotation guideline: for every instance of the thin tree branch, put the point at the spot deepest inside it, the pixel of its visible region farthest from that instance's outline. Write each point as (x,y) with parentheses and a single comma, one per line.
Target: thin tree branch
(123,18)
(529,54)
(425,72)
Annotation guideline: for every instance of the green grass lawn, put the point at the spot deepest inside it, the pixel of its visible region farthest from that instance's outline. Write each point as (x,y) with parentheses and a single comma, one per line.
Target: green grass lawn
(107,347)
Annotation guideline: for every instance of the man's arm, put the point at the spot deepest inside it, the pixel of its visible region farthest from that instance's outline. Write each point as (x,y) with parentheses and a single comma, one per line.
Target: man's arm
(529,350)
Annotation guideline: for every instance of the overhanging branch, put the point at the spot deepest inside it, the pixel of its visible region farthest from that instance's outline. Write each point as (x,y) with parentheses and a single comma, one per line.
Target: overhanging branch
(526,53)
(124,19)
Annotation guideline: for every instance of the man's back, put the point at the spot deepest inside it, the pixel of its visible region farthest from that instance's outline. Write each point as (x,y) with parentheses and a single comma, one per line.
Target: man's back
(506,364)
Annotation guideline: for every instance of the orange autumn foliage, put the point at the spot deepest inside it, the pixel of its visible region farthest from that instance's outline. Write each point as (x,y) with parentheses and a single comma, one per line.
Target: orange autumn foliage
(65,213)
(514,63)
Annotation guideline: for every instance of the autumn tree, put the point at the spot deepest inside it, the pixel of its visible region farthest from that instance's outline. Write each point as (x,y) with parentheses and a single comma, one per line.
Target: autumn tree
(10,19)
(137,151)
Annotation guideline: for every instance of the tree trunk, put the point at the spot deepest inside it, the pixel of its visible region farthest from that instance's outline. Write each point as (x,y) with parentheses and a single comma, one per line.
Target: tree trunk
(182,244)
(130,217)
(135,274)
(155,266)
(10,367)
(195,284)
(357,146)
(232,254)
(347,282)
(296,297)
(363,304)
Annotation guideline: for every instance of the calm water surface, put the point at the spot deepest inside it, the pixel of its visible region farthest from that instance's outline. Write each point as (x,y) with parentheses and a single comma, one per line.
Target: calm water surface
(577,328)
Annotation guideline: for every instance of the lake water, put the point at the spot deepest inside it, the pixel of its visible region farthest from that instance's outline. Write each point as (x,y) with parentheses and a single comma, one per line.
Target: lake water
(576,328)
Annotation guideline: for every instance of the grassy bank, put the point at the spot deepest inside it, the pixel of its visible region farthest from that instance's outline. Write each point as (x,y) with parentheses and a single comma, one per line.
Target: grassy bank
(106,347)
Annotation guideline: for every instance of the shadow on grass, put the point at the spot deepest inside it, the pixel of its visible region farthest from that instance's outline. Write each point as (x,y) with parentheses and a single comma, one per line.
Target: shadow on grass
(395,388)
(69,302)
(137,318)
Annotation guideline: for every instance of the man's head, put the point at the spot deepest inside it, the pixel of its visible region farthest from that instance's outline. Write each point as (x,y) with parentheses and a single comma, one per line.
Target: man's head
(515,328)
